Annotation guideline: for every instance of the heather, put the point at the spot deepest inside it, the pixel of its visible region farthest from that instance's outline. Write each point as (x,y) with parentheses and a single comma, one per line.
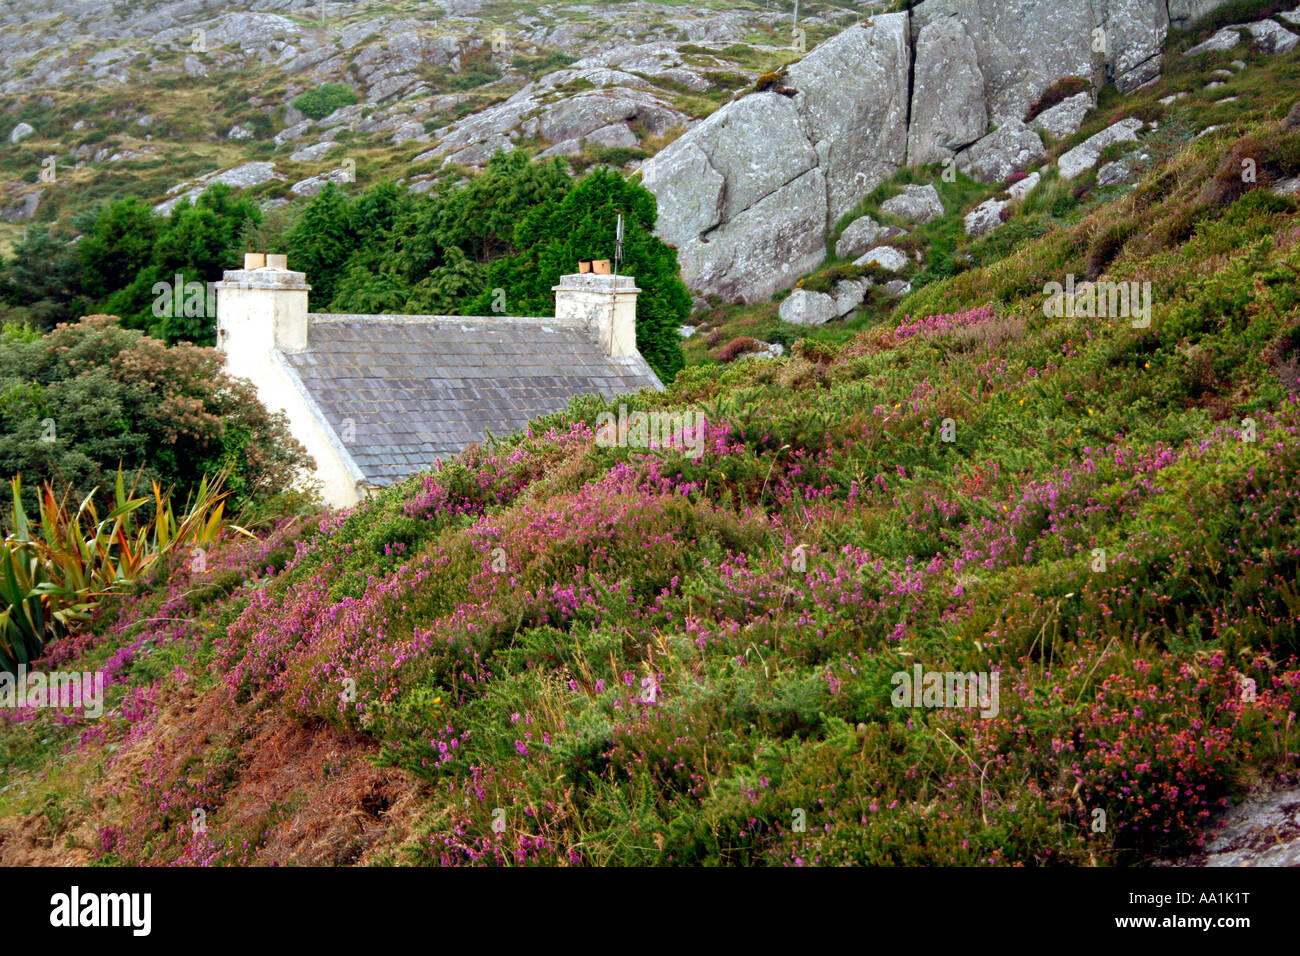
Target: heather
(632,656)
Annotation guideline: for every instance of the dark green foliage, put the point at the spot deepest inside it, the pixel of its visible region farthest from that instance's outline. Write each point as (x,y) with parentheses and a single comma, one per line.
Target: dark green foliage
(118,246)
(89,395)
(325,99)
(555,236)
(199,241)
(322,241)
(41,284)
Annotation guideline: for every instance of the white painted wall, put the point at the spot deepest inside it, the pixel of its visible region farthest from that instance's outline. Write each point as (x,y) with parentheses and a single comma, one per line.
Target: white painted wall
(262,314)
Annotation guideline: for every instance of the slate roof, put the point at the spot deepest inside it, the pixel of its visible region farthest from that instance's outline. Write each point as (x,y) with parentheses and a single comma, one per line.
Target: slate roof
(420,388)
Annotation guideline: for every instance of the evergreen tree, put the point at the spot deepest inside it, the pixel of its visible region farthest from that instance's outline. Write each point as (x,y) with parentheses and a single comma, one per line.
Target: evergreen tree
(118,245)
(322,241)
(556,235)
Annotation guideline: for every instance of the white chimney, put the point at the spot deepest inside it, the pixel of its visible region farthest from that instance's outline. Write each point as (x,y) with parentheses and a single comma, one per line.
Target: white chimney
(595,301)
(261,307)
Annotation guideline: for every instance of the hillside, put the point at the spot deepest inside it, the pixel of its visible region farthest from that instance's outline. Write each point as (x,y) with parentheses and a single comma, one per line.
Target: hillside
(554,652)
(156,98)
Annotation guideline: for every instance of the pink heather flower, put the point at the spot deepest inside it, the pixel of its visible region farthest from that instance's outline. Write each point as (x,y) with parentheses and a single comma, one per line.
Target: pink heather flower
(522,748)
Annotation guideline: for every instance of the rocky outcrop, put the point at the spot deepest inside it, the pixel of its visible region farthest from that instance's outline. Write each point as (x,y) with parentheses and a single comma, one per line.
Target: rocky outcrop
(1084,156)
(743,198)
(859,236)
(802,307)
(949,110)
(887,257)
(1009,149)
(1065,118)
(747,196)
(984,218)
(240,177)
(915,204)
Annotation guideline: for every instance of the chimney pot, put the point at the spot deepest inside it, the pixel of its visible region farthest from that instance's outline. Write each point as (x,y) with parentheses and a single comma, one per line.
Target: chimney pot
(277,262)
(254,260)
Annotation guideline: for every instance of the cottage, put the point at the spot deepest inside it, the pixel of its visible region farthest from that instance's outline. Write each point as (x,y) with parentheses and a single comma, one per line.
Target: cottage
(375,398)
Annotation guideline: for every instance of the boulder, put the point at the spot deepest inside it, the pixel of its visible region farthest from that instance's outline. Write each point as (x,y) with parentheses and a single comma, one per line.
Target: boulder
(581,115)
(239,177)
(296,131)
(314,184)
(1009,149)
(1287,187)
(1084,156)
(948,106)
(770,350)
(22,208)
(1225,39)
(887,257)
(897,287)
(21,132)
(1271,37)
(1119,171)
(310,154)
(239,132)
(1065,118)
(849,294)
(915,204)
(802,307)
(858,237)
(984,218)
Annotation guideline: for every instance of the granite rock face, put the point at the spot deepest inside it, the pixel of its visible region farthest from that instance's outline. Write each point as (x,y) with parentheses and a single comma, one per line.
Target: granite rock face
(747,196)
(949,110)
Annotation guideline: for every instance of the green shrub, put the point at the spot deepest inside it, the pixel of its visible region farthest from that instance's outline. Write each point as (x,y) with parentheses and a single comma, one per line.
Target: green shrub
(325,99)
